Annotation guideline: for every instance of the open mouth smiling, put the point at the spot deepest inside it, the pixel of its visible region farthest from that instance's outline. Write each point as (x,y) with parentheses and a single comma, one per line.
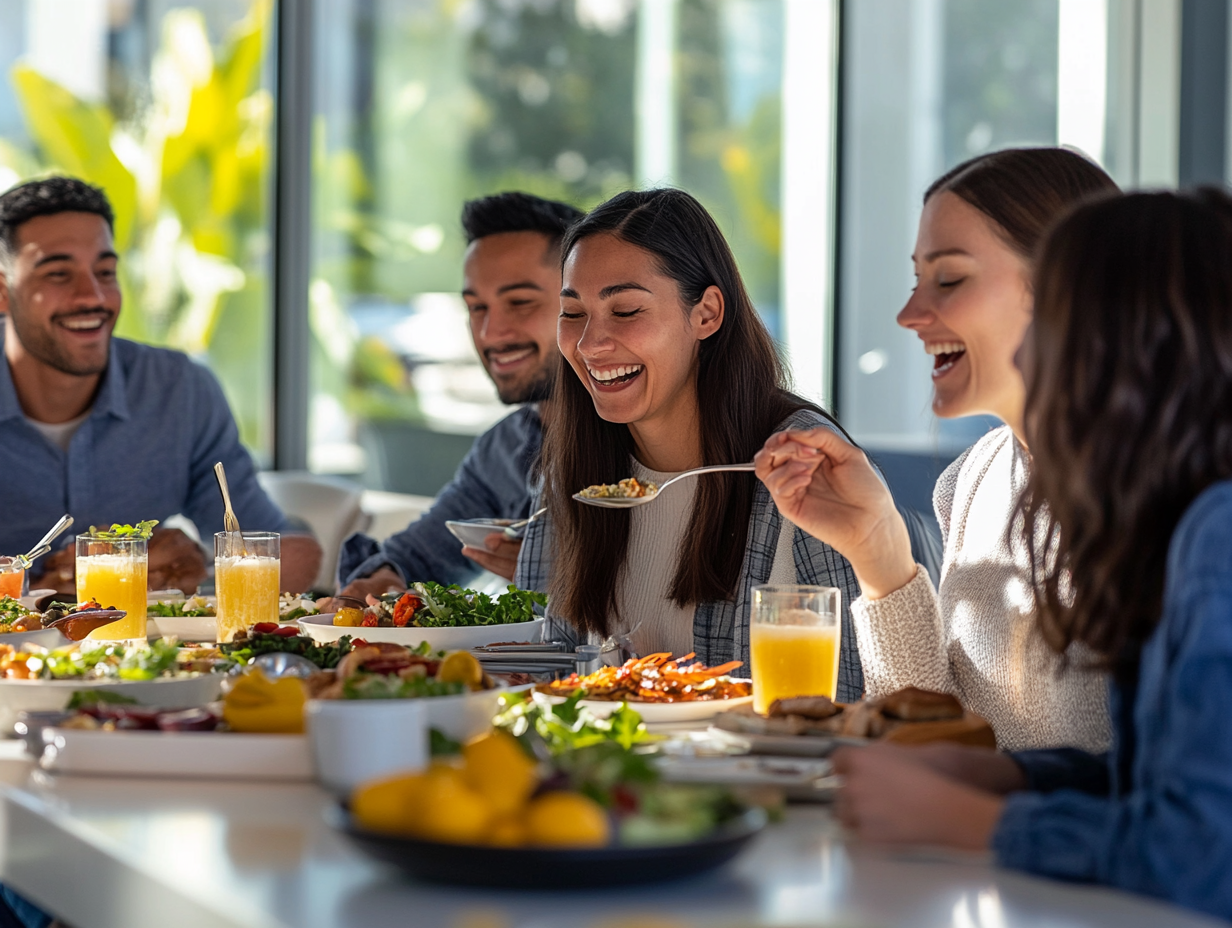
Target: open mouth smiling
(614,376)
(945,356)
(501,359)
(85,323)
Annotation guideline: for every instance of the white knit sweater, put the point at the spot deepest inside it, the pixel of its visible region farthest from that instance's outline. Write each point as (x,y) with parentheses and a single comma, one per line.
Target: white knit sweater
(976,636)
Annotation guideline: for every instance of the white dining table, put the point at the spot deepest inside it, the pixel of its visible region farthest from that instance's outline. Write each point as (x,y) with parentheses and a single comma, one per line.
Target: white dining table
(159,853)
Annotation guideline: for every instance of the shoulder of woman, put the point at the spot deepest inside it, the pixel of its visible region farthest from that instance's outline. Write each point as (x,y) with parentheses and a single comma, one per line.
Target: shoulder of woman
(966,469)
(1201,544)
(807,419)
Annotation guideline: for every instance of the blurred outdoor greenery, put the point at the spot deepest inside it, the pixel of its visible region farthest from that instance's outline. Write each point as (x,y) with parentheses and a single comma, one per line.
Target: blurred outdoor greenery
(188,178)
(420,106)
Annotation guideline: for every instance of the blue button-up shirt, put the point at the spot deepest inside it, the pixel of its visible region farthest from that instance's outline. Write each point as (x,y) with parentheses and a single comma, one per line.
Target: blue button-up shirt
(146,451)
(494,480)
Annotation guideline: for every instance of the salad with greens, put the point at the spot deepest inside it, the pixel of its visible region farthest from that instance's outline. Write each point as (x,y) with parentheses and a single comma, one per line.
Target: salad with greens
(108,662)
(433,605)
(611,761)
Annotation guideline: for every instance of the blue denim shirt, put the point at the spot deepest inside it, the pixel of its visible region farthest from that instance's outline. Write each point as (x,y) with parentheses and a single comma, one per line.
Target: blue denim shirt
(146,451)
(494,479)
(1164,827)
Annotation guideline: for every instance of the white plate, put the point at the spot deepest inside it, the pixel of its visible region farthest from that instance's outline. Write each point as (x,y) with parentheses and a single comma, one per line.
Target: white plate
(185,627)
(655,712)
(196,754)
(460,717)
(49,638)
(52,695)
(472,532)
(322,628)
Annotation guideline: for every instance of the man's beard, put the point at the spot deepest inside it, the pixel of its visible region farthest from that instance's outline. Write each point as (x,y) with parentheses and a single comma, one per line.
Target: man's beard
(43,346)
(536,391)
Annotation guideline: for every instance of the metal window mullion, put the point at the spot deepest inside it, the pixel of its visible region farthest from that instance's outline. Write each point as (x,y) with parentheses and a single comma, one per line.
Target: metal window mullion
(292,232)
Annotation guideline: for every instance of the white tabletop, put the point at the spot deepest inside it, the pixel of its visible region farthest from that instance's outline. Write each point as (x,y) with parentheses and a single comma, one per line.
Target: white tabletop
(108,853)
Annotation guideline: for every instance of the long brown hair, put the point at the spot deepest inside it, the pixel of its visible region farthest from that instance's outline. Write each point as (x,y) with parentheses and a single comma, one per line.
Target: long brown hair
(742,397)
(1024,190)
(1129,408)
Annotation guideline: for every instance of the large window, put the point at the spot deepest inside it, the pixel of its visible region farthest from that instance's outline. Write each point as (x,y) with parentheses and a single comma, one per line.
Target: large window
(928,84)
(424,104)
(168,108)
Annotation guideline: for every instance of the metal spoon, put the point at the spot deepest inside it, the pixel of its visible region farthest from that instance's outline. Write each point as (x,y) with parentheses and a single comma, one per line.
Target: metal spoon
(23,561)
(518,529)
(275,664)
(229,522)
(620,502)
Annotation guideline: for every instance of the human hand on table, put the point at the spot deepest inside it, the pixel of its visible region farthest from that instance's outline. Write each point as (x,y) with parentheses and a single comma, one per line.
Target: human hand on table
(826,486)
(499,554)
(174,561)
(983,768)
(356,593)
(889,796)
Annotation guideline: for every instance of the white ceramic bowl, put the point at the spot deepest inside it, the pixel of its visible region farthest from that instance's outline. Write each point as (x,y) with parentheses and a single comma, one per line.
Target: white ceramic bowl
(472,532)
(53,695)
(185,627)
(322,628)
(356,740)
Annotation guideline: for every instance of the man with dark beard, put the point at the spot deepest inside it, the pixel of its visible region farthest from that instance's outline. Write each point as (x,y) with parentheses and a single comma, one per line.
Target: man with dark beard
(511,284)
(106,429)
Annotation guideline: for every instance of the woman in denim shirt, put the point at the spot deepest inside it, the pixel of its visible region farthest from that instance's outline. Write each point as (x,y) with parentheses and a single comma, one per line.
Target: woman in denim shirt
(1129,514)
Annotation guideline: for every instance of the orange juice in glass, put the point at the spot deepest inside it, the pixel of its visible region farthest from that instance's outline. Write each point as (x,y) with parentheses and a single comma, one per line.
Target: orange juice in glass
(794,642)
(112,571)
(12,578)
(246,581)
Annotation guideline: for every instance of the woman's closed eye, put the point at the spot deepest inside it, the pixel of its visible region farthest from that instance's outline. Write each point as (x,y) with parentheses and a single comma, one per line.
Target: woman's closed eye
(565,314)
(950,282)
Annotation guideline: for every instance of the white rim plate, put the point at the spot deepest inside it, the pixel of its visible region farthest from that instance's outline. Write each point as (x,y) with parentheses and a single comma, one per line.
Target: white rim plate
(656,712)
(322,628)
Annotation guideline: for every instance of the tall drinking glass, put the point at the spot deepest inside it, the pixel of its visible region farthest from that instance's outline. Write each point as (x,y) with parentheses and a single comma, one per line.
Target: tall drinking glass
(113,573)
(793,641)
(246,581)
(12,577)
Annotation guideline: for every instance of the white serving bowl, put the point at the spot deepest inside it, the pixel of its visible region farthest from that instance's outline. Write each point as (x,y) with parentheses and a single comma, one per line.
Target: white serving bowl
(473,532)
(184,627)
(184,692)
(356,740)
(322,628)
(460,717)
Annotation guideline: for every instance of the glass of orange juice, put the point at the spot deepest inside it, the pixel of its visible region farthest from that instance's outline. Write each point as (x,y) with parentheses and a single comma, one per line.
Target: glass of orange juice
(12,577)
(112,572)
(246,580)
(793,642)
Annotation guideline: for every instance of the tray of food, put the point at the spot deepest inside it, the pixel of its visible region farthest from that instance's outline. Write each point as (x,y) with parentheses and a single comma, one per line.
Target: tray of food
(447,617)
(660,688)
(813,725)
(109,739)
(555,797)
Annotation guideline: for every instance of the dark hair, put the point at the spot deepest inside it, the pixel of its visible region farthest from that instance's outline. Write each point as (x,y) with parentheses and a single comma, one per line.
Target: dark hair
(46,197)
(742,398)
(1024,190)
(1129,408)
(517,212)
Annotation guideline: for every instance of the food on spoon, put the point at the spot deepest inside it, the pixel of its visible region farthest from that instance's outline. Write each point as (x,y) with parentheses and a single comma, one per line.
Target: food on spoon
(810,707)
(916,705)
(654,678)
(629,488)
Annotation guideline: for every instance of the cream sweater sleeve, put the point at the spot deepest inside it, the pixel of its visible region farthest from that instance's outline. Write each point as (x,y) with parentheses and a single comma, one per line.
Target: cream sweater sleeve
(901,639)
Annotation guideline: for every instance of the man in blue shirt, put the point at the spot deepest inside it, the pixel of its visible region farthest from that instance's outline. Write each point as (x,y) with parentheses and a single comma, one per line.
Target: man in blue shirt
(511,284)
(102,428)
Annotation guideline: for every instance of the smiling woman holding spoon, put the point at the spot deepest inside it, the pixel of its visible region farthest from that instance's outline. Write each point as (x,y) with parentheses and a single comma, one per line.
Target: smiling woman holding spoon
(670,369)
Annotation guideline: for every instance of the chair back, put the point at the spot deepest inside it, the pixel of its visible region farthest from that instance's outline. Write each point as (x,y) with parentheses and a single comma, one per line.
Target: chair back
(329,505)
